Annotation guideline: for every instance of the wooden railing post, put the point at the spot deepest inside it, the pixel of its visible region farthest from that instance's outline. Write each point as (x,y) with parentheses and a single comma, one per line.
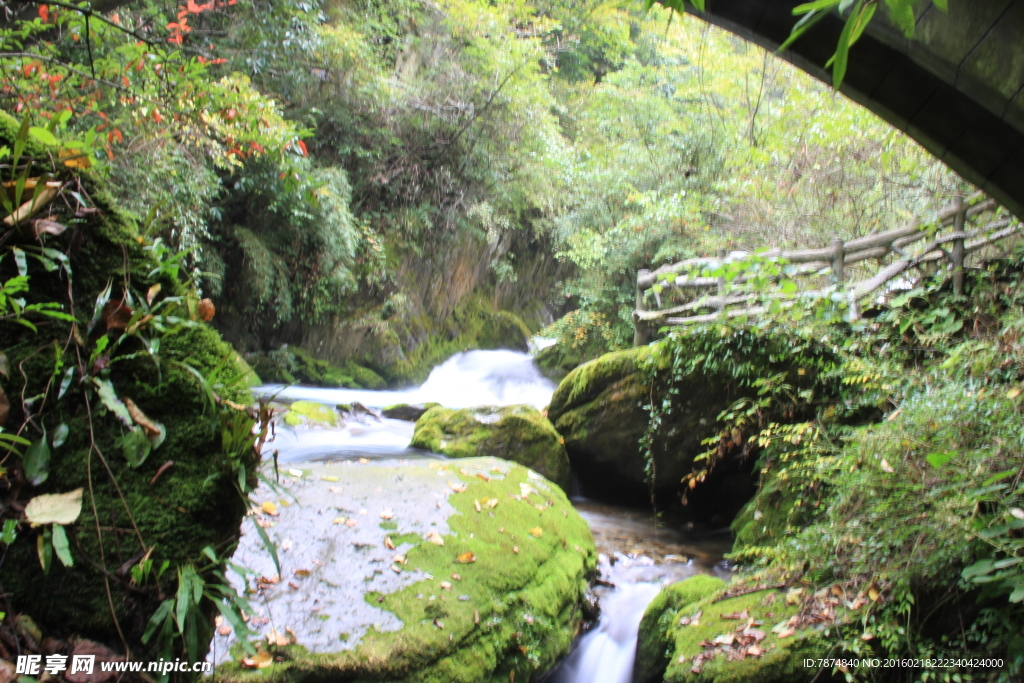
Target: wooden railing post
(957,253)
(838,261)
(721,280)
(641,336)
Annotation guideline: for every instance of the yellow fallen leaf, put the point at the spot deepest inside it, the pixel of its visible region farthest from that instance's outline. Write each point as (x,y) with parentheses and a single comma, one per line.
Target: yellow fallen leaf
(435,538)
(476,504)
(338,520)
(1013,393)
(270,508)
(873,594)
(302,573)
(260,660)
(466,558)
(326,478)
(536,532)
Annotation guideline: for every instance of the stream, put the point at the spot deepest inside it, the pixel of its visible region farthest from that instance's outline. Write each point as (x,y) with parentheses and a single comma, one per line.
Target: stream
(636,557)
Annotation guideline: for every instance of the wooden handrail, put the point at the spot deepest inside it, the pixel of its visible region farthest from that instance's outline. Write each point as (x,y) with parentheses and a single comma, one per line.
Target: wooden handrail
(837,257)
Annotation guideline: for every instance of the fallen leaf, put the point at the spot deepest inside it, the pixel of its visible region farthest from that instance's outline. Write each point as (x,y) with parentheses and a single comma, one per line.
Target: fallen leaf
(327,478)
(286,544)
(515,549)
(293,584)
(786,633)
(43,226)
(466,558)
(335,489)
(754,651)
(350,522)
(439,624)
(260,660)
(275,638)
(386,514)
(886,467)
(224,630)
(302,573)
(867,636)
(152,292)
(399,559)
(873,594)
(533,475)
(484,477)
(152,429)
(116,315)
(726,639)
(476,504)
(536,532)
(458,487)
(364,461)
(295,473)
(54,508)
(388,543)
(270,508)
(457,577)
(362,511)
(445,586)
(338,520)
(1017,512)
(435,538)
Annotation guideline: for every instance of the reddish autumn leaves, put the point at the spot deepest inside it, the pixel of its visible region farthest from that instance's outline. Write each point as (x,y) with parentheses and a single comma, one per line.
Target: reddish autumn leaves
(180,27)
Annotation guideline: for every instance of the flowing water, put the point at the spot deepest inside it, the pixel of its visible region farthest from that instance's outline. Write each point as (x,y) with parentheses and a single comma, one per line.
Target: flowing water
(636,557)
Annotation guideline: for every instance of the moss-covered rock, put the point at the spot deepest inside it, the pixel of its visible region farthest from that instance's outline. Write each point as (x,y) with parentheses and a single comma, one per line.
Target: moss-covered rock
(602,409)
(310,412)
(518,433)
(468,579)
(599,409)
(406,411)
(693,633)
(183,497)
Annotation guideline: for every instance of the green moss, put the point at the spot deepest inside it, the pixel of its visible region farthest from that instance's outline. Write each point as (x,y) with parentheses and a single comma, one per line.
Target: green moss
(652,641)
(191,505)
(523,594)
(517,433)
(312,412)
(661,631)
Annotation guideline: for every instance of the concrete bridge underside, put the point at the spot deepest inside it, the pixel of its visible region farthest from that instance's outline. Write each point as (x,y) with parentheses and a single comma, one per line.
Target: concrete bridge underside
(957,86)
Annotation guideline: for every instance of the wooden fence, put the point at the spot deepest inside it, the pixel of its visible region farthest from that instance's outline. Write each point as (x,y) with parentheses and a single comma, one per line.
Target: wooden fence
(951,238)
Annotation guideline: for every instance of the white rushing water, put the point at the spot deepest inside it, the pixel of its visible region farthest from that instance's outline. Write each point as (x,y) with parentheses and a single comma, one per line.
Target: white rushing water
(473,378)
(626,540)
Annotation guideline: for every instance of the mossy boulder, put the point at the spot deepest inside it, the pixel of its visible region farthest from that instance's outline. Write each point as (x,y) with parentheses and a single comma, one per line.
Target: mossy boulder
(183,496)
(693,632)
(602,409)
(518,433)
(599,409)
(448,577)
(406,411)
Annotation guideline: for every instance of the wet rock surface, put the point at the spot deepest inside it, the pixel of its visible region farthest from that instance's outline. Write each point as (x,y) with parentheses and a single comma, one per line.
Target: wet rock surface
(413,570)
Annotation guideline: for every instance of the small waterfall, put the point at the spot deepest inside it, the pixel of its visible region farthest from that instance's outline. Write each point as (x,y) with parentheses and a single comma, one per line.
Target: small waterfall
(605,654)
(472,378)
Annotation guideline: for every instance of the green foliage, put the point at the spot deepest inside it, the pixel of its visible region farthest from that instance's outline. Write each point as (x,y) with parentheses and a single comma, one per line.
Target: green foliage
(923,507)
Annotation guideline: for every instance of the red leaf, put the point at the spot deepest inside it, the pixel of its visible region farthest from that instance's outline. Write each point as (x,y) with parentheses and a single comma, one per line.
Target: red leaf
(44,13)
(302,146)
